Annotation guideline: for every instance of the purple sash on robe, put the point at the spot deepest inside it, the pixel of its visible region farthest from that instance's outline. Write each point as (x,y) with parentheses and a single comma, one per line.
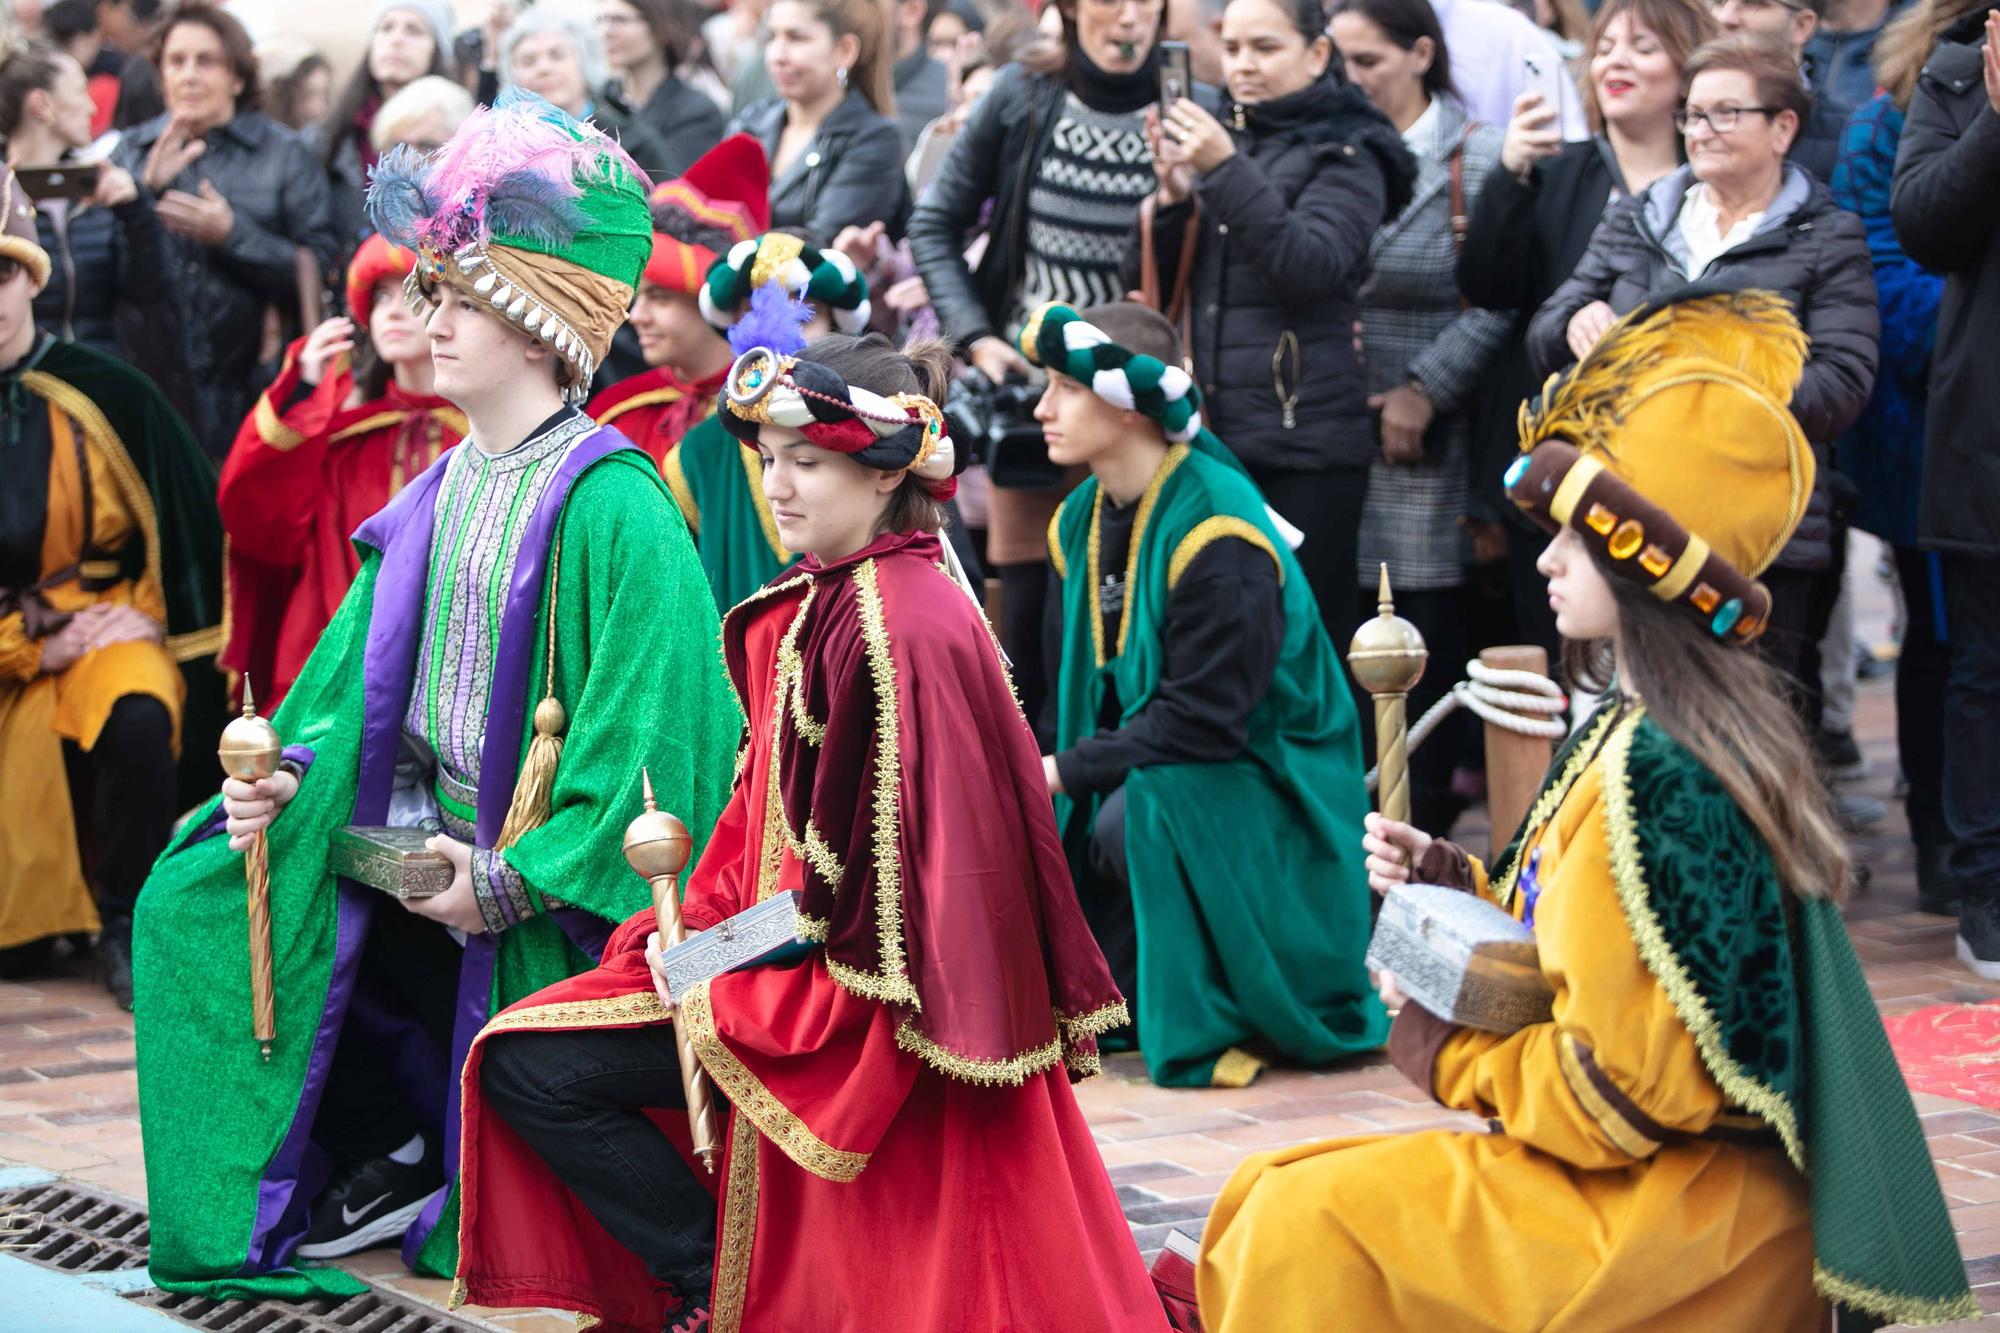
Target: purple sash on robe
(402,532)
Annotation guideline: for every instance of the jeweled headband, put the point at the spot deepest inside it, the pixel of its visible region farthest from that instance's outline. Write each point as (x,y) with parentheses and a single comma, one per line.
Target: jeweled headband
(1559,486)
(906,432)
(1062,340)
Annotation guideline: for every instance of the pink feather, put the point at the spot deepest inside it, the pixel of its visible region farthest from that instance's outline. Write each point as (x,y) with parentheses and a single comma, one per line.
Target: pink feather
(519,132)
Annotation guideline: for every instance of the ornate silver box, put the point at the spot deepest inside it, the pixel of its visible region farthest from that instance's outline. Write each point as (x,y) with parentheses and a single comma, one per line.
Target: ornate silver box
(764,935)
(393,860)
(1460,957)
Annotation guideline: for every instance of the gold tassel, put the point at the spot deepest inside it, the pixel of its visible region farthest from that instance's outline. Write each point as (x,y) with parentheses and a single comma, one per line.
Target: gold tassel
(533,790)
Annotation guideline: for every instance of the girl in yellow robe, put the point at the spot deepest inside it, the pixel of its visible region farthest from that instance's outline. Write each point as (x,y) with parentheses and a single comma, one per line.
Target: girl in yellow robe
(1710,1132)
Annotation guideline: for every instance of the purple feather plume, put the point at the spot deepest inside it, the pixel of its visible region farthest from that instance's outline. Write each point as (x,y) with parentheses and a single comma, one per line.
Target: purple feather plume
(774,320)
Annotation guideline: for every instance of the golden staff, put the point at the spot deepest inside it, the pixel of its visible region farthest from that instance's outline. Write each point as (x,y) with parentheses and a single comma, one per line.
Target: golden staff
(249,752)
(1387,656)
(657,845)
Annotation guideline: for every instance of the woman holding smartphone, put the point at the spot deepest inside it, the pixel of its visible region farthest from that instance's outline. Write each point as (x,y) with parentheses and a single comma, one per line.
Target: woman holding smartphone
(109,248)
(1534,220)
(1281,203)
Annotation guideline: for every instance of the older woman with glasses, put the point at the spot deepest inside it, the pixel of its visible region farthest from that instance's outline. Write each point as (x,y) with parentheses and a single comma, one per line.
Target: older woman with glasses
(1739,215)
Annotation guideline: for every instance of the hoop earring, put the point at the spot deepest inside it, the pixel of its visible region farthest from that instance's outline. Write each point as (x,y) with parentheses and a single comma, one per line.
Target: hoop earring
(840,76)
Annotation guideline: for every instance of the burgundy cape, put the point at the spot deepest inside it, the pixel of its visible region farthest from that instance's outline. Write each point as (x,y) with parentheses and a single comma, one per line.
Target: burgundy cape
(904,1149)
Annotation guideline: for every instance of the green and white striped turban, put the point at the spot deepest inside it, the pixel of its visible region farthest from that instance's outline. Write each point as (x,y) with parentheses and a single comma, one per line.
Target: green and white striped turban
(822,277)
(1058,338)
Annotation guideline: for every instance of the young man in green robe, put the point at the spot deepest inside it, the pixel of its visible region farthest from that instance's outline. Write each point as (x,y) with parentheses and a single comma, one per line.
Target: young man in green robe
(1207,768)
(538,572)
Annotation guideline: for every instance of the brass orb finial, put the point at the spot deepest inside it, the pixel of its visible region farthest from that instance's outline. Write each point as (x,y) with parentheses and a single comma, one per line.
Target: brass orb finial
(656,843)
(1387,654)
(250,747)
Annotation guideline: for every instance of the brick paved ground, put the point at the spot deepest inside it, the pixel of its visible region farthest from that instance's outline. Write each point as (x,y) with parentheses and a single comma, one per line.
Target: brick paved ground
(67,1100)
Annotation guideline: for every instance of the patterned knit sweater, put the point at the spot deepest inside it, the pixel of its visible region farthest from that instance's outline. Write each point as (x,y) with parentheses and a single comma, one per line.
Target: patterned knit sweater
(1081,208)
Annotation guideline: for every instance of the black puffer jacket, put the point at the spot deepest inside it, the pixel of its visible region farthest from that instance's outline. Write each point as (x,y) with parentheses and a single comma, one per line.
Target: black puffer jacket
(1281,256)
(850,175)
(1946,207)
(279,195)
(101,259)
(1807,249)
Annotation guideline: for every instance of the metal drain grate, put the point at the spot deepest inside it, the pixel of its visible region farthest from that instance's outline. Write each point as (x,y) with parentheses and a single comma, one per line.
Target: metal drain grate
(60,1226)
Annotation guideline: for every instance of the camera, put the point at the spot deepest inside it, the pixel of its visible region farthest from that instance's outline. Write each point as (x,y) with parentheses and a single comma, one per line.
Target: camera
(998,429)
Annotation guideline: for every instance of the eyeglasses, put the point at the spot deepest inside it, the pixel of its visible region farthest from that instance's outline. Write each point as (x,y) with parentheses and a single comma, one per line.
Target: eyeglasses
(1721,119)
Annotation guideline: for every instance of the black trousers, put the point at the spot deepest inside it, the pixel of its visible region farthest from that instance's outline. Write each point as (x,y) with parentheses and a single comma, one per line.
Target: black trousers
(1921,669)
(578,1099)
(122,790)
(1972,740)
(1802,603)
(1106,895)
(1326,506)
(1023,588)
(392,1067)
(1534,623)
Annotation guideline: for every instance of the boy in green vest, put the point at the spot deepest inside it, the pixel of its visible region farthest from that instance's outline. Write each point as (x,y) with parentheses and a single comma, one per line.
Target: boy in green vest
(1207,768)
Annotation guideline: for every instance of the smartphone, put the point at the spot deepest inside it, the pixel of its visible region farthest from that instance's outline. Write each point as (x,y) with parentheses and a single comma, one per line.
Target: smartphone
(75,183)
(1175,80)
(1544,74)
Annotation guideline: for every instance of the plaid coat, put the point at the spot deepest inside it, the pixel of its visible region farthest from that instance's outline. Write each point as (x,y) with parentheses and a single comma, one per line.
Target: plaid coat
(1414,326)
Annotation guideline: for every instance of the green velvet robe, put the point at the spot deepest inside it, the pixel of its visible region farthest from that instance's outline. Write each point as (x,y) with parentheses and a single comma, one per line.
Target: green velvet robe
(637,672)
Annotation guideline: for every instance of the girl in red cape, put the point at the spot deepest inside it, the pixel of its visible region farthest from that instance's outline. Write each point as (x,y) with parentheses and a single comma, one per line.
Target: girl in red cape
(903,1149)
(327,445)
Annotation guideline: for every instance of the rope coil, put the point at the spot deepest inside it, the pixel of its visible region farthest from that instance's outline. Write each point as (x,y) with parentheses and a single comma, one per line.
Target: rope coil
(1523,702)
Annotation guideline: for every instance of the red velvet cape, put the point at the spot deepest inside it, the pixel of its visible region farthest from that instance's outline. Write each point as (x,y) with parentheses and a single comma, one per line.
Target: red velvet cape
(883,1169)
(294,488)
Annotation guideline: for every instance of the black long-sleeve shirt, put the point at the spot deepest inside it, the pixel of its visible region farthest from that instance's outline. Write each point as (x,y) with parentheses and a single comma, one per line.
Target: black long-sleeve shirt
(1224,628)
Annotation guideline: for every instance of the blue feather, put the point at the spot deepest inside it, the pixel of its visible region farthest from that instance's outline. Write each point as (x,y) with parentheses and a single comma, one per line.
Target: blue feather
(774,320)
(397,204)
(530,206)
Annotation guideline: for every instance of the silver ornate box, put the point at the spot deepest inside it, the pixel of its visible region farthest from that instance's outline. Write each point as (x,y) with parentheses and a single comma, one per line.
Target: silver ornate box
(764,935)
(393,860)
(1460,957)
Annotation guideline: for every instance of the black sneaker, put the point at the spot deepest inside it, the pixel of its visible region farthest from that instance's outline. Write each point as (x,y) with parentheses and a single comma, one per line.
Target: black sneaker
(1979,936)
(373,1204)
(1839,757)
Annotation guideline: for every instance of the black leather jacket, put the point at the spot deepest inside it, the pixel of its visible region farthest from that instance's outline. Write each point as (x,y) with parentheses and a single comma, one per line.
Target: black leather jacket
(849,176)
(279,195)
(995,158)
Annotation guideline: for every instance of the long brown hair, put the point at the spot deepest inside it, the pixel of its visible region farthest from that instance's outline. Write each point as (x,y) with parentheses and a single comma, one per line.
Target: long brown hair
(875,363)
(873,72)
(1730,710)
(1906,44)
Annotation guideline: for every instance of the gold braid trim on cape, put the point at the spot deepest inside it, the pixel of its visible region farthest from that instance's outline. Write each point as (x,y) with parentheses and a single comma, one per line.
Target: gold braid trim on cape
(747,1093)
(1629,876)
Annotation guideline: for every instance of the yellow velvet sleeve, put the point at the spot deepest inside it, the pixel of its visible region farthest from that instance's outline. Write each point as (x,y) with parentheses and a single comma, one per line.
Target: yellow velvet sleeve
(20,656)
(1615,1073)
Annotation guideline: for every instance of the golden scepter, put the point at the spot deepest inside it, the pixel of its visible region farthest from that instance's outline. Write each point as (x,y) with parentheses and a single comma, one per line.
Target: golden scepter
(1387,656)
(250,752)
(657,845)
